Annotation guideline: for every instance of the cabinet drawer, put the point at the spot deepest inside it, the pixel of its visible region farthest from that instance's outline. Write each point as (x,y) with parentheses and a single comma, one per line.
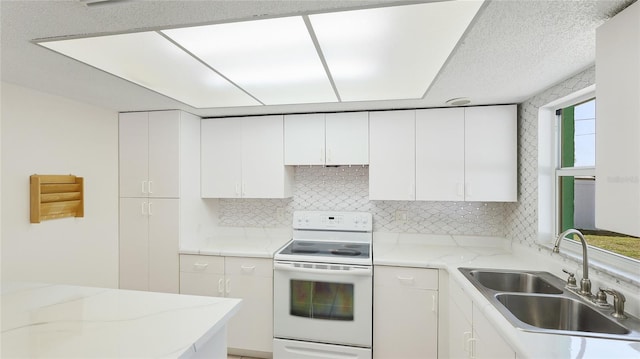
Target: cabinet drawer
(402,277)
(201,264)
(262,267)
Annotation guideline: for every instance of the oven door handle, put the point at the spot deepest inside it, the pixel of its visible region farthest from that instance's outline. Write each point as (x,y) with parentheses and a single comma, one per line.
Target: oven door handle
(352,270)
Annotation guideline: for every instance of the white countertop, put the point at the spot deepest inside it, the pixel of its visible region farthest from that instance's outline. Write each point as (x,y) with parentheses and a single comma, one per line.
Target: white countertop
(442,252)
(240,242)
(453,252)
(47,320)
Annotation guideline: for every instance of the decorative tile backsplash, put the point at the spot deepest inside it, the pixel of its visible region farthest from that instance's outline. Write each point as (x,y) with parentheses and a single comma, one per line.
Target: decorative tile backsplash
(346,188)
(522,216)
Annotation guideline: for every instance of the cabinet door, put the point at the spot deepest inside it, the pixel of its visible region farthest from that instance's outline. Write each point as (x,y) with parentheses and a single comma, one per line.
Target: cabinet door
(460,333)
(133,153)
(491,154)
(460,317)
(488,344)
(164,154)
(134,244)
(304,139)
(263,172)
(164,232)
(392,155)
(440,154)
(407,296)
(347,138)
(202,275)
(618,123)
(251,279)
(221,151)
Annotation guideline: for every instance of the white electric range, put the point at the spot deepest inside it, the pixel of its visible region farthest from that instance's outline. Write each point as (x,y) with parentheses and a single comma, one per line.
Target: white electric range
(323,287)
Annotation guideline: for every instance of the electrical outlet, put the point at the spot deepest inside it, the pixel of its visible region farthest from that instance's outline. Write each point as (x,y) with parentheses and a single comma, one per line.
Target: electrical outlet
(280,213)
(401,216)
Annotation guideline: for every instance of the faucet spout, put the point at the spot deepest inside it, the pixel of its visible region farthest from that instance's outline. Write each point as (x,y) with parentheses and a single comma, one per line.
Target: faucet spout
(585,283)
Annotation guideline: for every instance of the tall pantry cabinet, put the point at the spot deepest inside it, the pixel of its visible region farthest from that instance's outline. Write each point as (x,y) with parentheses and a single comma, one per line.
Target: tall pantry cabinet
(158,158)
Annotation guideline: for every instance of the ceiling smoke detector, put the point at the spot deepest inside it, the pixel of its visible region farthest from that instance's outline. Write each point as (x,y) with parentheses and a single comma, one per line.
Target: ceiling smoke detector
(458,101)
(91,3)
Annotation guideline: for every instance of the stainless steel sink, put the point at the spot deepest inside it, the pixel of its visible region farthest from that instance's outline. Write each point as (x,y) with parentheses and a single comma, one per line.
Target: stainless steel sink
(559,313)
(504,281)
(539,302)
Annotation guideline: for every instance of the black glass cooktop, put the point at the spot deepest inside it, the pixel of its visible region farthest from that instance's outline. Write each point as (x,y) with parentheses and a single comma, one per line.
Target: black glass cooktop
(327,249)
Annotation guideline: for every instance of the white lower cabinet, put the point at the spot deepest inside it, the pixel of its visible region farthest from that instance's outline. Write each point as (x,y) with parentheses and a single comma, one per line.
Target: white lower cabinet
(405,312)
(471,335)
(250,279)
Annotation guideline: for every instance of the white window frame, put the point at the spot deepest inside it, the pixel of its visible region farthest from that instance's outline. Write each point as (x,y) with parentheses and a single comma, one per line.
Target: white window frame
(548,203)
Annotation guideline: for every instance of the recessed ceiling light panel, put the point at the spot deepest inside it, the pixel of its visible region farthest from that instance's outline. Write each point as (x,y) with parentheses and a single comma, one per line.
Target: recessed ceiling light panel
(275,60)
(388,53)
(392,52)
(150,60)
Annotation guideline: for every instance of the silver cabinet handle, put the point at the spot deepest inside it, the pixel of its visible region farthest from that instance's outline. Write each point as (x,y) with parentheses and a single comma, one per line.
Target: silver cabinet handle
(221,286)
(200,266)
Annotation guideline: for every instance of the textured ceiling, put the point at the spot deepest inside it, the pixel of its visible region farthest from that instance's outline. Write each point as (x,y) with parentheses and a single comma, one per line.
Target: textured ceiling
(513,50)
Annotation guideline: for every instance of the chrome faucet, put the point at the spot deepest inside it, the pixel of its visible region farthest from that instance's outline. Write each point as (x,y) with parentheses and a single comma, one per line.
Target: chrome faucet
(585,283)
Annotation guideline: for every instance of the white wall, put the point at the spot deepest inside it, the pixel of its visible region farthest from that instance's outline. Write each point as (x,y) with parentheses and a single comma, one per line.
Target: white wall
(46,134)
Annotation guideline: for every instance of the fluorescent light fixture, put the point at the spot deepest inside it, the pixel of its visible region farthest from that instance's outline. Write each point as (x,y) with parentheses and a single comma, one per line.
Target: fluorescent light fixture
(150,60)
(386,53)
(275,60)
(392,52)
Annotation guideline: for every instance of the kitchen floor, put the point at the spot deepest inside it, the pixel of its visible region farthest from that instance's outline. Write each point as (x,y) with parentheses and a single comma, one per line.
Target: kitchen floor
(238,357)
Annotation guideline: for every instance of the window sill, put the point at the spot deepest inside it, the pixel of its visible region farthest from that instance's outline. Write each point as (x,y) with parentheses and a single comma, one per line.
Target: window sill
(622,268)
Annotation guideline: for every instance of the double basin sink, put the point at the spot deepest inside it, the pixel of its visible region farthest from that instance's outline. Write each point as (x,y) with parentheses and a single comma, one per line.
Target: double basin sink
(538,302)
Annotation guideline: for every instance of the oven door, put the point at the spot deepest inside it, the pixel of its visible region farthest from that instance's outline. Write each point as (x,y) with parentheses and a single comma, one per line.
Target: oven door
(325,303)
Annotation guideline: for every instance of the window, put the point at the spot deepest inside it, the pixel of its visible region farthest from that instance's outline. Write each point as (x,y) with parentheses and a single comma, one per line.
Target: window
(575,174)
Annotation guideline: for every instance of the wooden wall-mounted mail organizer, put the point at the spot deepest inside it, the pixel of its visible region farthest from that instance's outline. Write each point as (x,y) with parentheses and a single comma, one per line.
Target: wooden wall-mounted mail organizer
(56,196)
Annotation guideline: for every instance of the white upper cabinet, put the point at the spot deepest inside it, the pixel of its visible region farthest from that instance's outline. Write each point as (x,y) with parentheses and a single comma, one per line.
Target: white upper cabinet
(347,138)
(327,139)
(452,154)
(263,172)
(491,154)
(221,156)
(618,123)
(242,157)
(392,155)
(440,154)
(304,139)
(149,154)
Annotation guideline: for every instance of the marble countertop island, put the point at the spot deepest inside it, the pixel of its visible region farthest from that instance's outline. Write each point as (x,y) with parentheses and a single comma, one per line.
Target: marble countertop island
(50,320)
